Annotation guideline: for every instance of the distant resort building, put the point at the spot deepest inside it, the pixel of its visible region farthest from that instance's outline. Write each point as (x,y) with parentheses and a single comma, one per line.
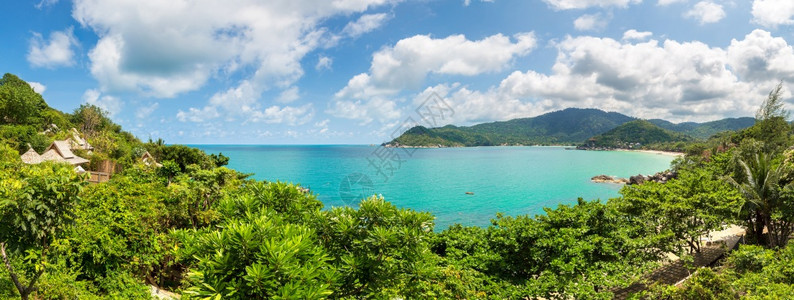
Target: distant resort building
(79,143)
(60,151)
(149,160)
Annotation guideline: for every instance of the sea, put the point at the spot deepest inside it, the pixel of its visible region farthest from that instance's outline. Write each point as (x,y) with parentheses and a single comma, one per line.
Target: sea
(466,186)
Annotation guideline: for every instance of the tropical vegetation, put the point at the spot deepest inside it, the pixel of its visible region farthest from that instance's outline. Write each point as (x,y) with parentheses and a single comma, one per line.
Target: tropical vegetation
(199,229)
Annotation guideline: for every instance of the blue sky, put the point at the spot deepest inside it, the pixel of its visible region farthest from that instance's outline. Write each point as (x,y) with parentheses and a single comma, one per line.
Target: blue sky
(353,71)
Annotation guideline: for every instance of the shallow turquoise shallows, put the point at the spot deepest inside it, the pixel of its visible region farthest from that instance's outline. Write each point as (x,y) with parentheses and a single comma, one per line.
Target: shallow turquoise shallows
(458,185)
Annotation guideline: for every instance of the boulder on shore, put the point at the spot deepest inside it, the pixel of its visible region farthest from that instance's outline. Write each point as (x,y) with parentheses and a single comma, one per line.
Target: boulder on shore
(660,177)
(608,179)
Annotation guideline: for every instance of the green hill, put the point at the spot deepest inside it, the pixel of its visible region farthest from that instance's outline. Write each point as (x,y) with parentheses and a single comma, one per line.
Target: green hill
(636,134)
(707,129)
(565,127)
(569,126)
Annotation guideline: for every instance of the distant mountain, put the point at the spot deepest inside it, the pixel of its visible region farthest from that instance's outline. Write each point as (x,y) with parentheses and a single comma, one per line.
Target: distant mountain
(636,134)
(569,126)
(565,127)
(707,129)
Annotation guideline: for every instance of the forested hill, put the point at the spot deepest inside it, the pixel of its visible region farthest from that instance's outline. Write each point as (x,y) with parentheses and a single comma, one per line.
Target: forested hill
(707,129)
(571,126)
(636,134)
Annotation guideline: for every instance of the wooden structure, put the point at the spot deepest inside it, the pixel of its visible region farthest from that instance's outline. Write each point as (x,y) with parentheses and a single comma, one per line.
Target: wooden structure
(98,177)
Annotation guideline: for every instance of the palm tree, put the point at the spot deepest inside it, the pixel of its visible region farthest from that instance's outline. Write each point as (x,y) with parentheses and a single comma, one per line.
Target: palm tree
(767,205)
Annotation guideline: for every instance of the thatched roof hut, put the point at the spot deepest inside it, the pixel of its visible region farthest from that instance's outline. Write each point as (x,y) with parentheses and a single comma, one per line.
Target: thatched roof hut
(52,155)
(149,160)
(31,157)
(79,143)
(62,148)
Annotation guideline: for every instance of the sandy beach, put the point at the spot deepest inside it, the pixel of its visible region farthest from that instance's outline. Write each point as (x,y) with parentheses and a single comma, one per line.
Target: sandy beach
(669,153)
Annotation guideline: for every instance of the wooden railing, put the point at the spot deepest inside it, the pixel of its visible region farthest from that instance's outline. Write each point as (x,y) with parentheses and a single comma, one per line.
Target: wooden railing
(98,177)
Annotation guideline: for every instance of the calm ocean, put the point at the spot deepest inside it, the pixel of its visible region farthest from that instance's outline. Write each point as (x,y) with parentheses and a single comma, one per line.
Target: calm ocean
(458,185)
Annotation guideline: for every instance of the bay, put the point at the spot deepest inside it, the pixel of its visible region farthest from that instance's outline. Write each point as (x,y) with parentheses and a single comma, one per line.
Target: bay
(458,185)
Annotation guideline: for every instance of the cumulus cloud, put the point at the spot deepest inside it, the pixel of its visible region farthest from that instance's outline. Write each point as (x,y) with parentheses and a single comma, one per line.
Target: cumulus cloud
(241,103)
(37,87)
(468,2)
(668,2)
(590,22)
(679,81)
(771,13)
(364,24)
(55,52)
(145,111)
(409,61)
(760,56)
(324,63)
(706,12)
(110,104)
(178,46)
(45,3)
(285,115)
(582,4)
(289,95)
(635,35)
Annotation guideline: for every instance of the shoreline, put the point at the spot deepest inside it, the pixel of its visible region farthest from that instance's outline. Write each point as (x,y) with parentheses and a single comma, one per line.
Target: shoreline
(657,152)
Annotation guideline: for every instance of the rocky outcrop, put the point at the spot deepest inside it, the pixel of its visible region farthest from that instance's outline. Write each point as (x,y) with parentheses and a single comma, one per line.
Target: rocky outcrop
(660,177)
(608,179)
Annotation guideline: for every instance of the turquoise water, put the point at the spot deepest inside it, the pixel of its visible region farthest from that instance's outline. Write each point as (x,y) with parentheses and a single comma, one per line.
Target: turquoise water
(511,180)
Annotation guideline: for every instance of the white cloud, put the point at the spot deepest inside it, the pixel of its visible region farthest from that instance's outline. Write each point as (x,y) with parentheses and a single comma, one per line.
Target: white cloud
(468,2)
(366,111)
(679,81)
(178,45)
(45,3)
(582,4)
(760,56)
(364,24)
(324,63)
(706,12)
(198,115)
(240,103)
(55,52)
(289,95)
(771,13)
(145,111)
(407,63)
(668,2)
(110,104)
(590,22)
(405,66)
(285,115)
(635,35)
(37,87)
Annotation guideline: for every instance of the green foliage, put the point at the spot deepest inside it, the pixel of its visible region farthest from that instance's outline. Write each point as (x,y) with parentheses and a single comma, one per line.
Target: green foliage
(20,136)
(637,134)
(704,284)
(184,156)
(768,190)
(708,129)
(36,203)
(19,104)
(683,209)
(378,250)
(262,250)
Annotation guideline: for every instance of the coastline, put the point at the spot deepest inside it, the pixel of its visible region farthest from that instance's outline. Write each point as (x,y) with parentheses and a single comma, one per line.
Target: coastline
(657,152)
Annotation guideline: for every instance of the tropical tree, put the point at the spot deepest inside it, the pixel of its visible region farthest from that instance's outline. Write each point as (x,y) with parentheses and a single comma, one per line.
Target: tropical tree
(682,210)
(766,185)
(36,203)
(19,103)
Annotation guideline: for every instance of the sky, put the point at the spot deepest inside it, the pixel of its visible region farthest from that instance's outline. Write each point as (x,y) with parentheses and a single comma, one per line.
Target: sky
(360,71)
